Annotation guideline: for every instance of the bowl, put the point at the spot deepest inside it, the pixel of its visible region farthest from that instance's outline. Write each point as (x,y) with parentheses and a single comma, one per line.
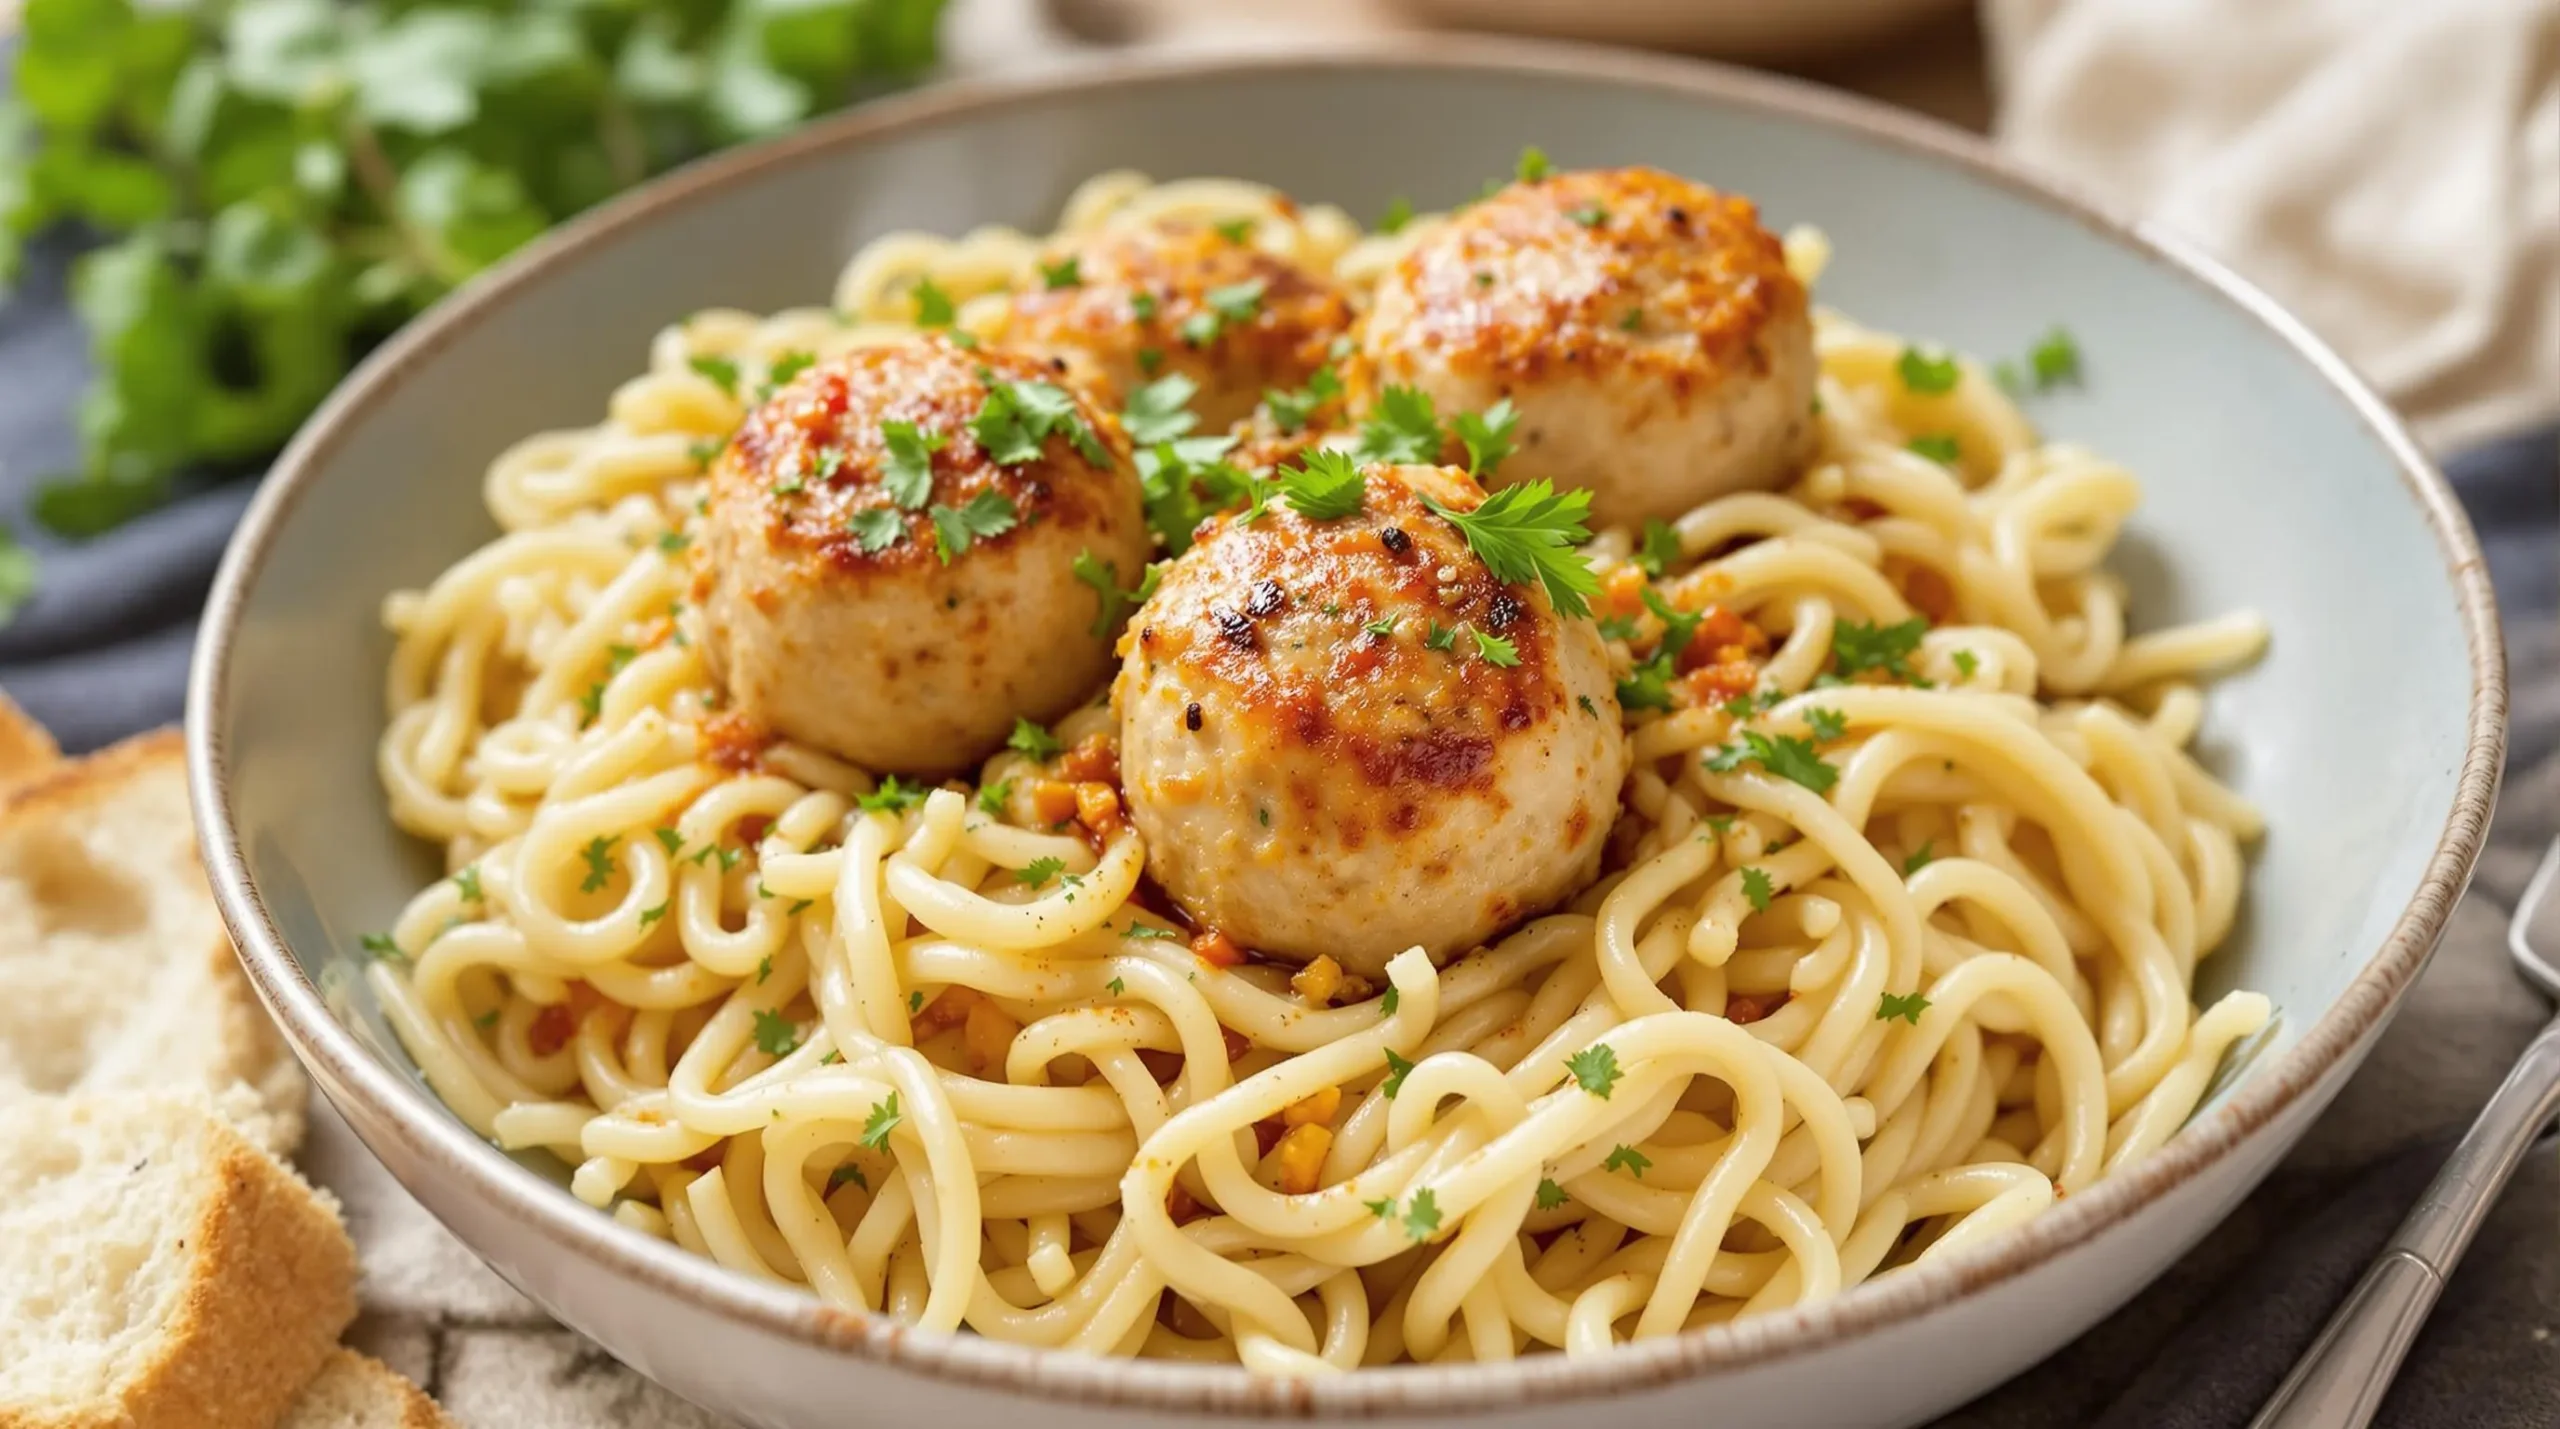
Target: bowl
(2371,735)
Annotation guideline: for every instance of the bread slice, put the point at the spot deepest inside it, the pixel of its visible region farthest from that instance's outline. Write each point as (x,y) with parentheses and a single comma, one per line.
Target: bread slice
(354,1391)
(115,972)
(26,747)
(158,1270)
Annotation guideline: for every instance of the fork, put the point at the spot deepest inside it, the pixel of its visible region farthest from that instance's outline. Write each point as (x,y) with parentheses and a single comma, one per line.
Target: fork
(2340,1381)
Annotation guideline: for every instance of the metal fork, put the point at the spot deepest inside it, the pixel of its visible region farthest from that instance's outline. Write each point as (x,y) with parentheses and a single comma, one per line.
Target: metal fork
(2340,1382)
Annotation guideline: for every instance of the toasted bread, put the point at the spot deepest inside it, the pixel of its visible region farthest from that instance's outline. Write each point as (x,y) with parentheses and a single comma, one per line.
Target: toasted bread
(157,1269)
(355,1391)
(26,748)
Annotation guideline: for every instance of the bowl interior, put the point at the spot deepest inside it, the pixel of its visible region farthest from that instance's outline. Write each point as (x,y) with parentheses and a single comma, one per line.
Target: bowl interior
(2266,488)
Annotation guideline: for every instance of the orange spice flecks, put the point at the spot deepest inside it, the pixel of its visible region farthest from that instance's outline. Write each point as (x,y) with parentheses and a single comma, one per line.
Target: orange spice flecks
(735,742)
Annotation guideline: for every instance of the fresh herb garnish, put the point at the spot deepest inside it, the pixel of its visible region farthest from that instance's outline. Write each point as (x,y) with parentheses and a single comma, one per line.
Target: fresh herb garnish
(1017,418)
(1039,871)
(988,514)
(1661,547)
(1324,486)
(1496,651)
(1528,532)
(1115,603)
(784,368)
(1857,646)
(1938,447)
(934,307)
(468,880)
(991,799)
(1160,410)
(776,1035)
(1234,230)
(1383,626)
(1486,436)
(1589,215)
(1065,273)
(1784,755)
(1757,887)
(1291,411)
(892,797)
(1399,213)
(1032,739)
(884,1119)
(1532,166)
(1550,1195)
(1626,1158)
(907,474)
(1921,857)
(1908,1007)
(721,372)
(877,529)
(1403,428)
(1965,663)
(1440,637)
(1927,373)
(1595,1068)
(599,856)
(1422,1215)
(1397,1070)
(1827,725)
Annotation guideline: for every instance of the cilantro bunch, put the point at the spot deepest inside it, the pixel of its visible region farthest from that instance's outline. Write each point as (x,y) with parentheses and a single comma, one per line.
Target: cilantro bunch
(279,184)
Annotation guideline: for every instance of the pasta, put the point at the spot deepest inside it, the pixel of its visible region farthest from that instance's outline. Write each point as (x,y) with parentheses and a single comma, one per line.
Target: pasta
(1799,1034)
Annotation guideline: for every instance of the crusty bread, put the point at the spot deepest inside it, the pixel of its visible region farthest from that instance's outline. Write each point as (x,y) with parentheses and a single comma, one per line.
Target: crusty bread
(115,972)
(157,1269)
(26,748)
(354,1391)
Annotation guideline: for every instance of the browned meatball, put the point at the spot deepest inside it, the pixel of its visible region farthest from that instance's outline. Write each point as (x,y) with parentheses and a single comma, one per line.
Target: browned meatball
(887,563)
(1347,737)
(1645,327)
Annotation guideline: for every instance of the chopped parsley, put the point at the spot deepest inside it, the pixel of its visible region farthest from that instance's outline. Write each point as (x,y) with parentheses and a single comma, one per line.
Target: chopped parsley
(1235,230)
(1927,373)
(1065,273)
(1550,1195)
(934,307)
(1148,932)
(1679,626)
(1648,685)
(468,880)
(1160,411)
(1422,1217)
(840,1176)
(784,368)
(1032,739)
(1596,1068)
(705,451)
(884,1119)
(486,1020)
(1921,857)
(1966,664)
(670,840)
(1496,651)
(1389,1000)
(673,541)
(652,915)
(1626,1158)
(1116,987)
(1324,486)
(1618,627)
(1661,547)
(1039,871)
(1384,1208)
(988,514)
(1938,447)
(1440,637)
(1486,435)
(877,529)
(1783,755)
(2053,361)
(1115,603)
(1291,411)
(1384,625)
(721,371)
(1633,321)
(381,946)
(915,1002)
(1532,166)
(776,1035)
(1908,1007)
(1589,215)
(599,856)
(1857,646)
(1397,1070)
(907,474)
(1234,303)
(1827,724)
(991,799)
(764,968)
(1404,428)
(892,797)
(1017,418)
(1528,532)
(1399,213)
(1587,706)
(1757,887)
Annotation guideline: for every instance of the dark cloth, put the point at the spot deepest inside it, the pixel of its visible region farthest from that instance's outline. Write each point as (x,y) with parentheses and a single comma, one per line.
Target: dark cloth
(101,652)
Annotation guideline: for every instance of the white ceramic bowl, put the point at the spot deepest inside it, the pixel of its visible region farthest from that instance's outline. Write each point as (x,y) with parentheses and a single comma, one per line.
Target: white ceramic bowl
(2371,736)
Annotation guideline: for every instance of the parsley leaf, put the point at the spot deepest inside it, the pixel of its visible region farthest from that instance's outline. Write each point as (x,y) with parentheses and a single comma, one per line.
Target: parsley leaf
(1498,652)
(1589,215)
(1907,1007)
(1921,857)
(381,946)
(1440,637)
(1857,646)
(1938,447)
(776,1035)
(722,372)
(1149,932)
(1550,1195)
(1384,625)
(1324,486)
(1115,603)
(1596,1068)
(1827,724)
(1397,1070)
(1388,1000)
(1160,411)
(1626,1158)
(1648,685)
(1966,663)
(934,307)
(599,856)
(1757,887)
(877,529)
(670,840)
(1017,418)
(1486,436)
(1234,303)
(1065,273)
(784,368)
(1533,165)
(1785,756)
(1039,871)
(1661,547)
(907,474)
(1403,428)
(1117,987)
(988,514)
(1032,739)
(1528,532)
(991,799)
(468,880)
(1291,411)
(1384,1208)
(2055,359)
(892,797)
(1399,213)
(1422,1217)
(652,915)
(1929,374)
(838,1178)
(884,1119)
(1679,626)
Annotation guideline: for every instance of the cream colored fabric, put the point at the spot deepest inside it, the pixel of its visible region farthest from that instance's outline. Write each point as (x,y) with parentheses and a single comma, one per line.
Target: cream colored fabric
(2388,170)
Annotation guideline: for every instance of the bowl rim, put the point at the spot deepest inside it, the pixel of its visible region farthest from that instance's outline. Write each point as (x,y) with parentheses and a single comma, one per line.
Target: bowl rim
(428,1136)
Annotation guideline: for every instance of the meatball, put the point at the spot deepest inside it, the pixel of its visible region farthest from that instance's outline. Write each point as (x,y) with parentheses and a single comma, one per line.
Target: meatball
(1347,737)
(1645,328)
(1134,302)
(886,568)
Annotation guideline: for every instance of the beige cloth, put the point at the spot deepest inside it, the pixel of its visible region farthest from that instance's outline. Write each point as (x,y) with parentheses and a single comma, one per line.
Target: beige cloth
(2388,169)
